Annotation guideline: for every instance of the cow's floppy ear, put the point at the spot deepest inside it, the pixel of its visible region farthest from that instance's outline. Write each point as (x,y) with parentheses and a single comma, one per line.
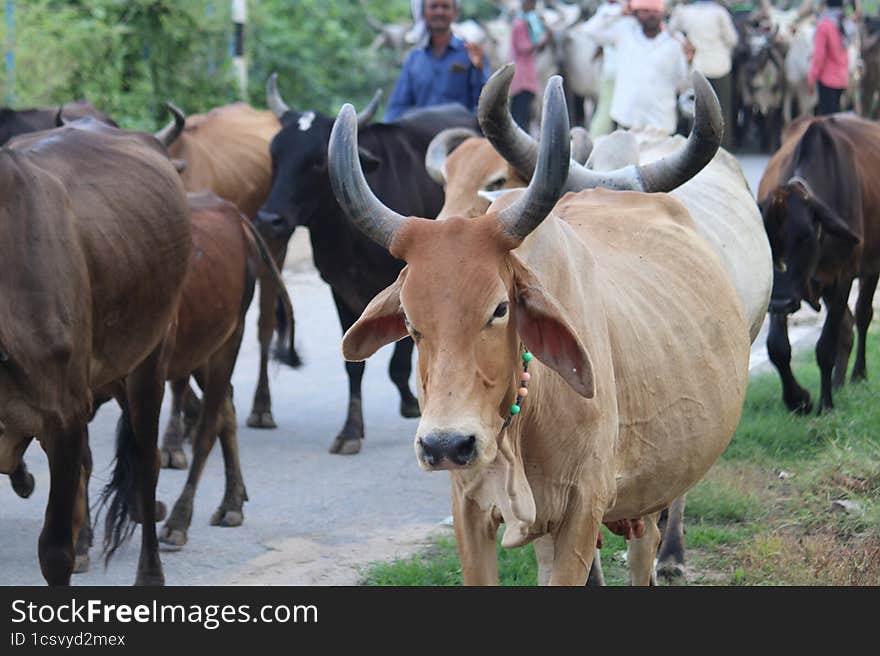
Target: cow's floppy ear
(546,331)
(381,323)
(832,221)
(369,162)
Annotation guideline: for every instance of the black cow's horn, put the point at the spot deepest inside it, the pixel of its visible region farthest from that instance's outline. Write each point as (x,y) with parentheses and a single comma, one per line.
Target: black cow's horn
(168,135)
(551,171)
(441,145)
(350,187)
(511,142)
(674,170)
(366,115)
(273,98)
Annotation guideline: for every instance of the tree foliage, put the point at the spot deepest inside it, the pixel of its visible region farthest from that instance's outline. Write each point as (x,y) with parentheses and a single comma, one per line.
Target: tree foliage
(129,56)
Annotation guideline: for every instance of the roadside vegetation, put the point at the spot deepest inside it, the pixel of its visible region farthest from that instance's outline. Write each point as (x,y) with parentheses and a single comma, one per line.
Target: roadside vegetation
(793,501)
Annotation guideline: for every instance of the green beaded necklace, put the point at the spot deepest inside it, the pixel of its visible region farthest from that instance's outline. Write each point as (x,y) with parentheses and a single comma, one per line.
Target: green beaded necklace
(523,391)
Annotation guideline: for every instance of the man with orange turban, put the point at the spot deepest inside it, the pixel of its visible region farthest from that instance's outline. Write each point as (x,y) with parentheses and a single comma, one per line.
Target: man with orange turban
(652,65)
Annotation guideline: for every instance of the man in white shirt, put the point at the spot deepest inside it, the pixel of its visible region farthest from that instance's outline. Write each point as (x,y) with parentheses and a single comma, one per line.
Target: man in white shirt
(709,27)
(652,65)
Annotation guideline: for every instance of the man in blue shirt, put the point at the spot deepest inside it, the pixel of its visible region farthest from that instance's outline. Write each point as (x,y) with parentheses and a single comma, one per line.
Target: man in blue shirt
(446,70)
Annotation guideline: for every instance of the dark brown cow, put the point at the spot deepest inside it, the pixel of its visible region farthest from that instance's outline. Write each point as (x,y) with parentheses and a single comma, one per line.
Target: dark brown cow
(96,237)
(14,122)
(216,295)
(227,151)
(821,209)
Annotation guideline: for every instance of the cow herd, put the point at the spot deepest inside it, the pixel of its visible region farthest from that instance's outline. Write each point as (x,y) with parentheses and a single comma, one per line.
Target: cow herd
(583,312)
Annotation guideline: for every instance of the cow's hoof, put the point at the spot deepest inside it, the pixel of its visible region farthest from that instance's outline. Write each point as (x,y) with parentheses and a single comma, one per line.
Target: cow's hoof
(172,539)
(150,580)
(671,573)
(173,458)
(261,420)
(410,409)
(161,511)
(222,517)
(345,447)
(23,486)
(800,405)
(81,563)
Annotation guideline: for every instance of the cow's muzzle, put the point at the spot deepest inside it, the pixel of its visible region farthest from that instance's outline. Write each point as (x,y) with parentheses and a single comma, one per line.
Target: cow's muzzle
(784,305)
(272,224)
(447,450)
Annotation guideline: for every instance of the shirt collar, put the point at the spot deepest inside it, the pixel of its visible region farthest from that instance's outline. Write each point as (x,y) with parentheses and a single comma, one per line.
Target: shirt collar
(454,44)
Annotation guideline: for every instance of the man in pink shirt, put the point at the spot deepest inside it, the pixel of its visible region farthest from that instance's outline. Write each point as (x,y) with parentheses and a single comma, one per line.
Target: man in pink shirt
(528,37)
(829,69)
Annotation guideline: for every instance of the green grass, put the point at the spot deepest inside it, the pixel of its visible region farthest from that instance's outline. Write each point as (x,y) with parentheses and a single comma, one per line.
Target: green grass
(744,524)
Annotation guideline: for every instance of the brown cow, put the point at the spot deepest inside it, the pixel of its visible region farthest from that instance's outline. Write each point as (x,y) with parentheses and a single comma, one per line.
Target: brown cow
(96,241)
(640,342)
(217,291)
(216,295)
(821,209)
(227,151)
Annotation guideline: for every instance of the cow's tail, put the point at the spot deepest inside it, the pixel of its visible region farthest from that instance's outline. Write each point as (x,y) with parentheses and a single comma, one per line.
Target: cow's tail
(285,351)
(120,495)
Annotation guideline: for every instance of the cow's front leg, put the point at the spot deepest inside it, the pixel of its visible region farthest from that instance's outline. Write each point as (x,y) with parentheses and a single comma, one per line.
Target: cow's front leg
(575,541)
(827,347)
(475,533)
(348,441)
(640,553)
(795,397)
(55,549)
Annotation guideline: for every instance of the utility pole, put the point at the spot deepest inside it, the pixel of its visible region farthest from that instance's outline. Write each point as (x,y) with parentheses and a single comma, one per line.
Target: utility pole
(239,19)
(10,53)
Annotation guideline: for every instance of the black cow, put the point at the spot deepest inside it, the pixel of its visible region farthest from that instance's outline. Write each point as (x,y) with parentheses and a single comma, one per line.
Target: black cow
(21,121)
(356,269)
(821,207)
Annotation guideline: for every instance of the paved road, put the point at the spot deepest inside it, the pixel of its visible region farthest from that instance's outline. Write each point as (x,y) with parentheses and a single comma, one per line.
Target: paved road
(312,518)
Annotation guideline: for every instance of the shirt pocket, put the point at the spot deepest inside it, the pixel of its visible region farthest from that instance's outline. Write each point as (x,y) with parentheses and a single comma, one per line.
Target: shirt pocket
(456,82)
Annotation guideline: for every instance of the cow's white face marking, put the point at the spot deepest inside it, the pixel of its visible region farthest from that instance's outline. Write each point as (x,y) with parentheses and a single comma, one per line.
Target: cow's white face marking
(305,121)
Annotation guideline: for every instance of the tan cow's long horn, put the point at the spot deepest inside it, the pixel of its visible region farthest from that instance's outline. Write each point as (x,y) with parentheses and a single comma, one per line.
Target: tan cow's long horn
(350,187)
(273,98)
(511,142)
(366,115)
(438,150)
(551,172)
(169,134)
(674,170)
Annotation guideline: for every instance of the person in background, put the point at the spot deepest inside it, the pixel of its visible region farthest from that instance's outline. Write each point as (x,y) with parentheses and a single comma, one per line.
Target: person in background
(601,121)
(709,27)
(829,68)
(444,70)
(528,37)
(652,65)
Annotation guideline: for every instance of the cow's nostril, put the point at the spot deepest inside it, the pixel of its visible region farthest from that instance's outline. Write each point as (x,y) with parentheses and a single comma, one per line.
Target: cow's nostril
(431,450)
(463,449)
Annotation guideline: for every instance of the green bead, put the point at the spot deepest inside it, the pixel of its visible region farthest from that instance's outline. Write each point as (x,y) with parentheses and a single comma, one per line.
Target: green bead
(514,409)
(527,357)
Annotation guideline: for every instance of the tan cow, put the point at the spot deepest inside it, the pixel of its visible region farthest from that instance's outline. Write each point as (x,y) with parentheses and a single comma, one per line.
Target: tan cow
(640,343)
(718,199)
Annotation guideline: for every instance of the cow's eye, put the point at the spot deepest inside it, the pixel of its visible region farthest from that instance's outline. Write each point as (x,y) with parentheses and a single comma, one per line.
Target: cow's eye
(500,311)
(496,184)
(416,335)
